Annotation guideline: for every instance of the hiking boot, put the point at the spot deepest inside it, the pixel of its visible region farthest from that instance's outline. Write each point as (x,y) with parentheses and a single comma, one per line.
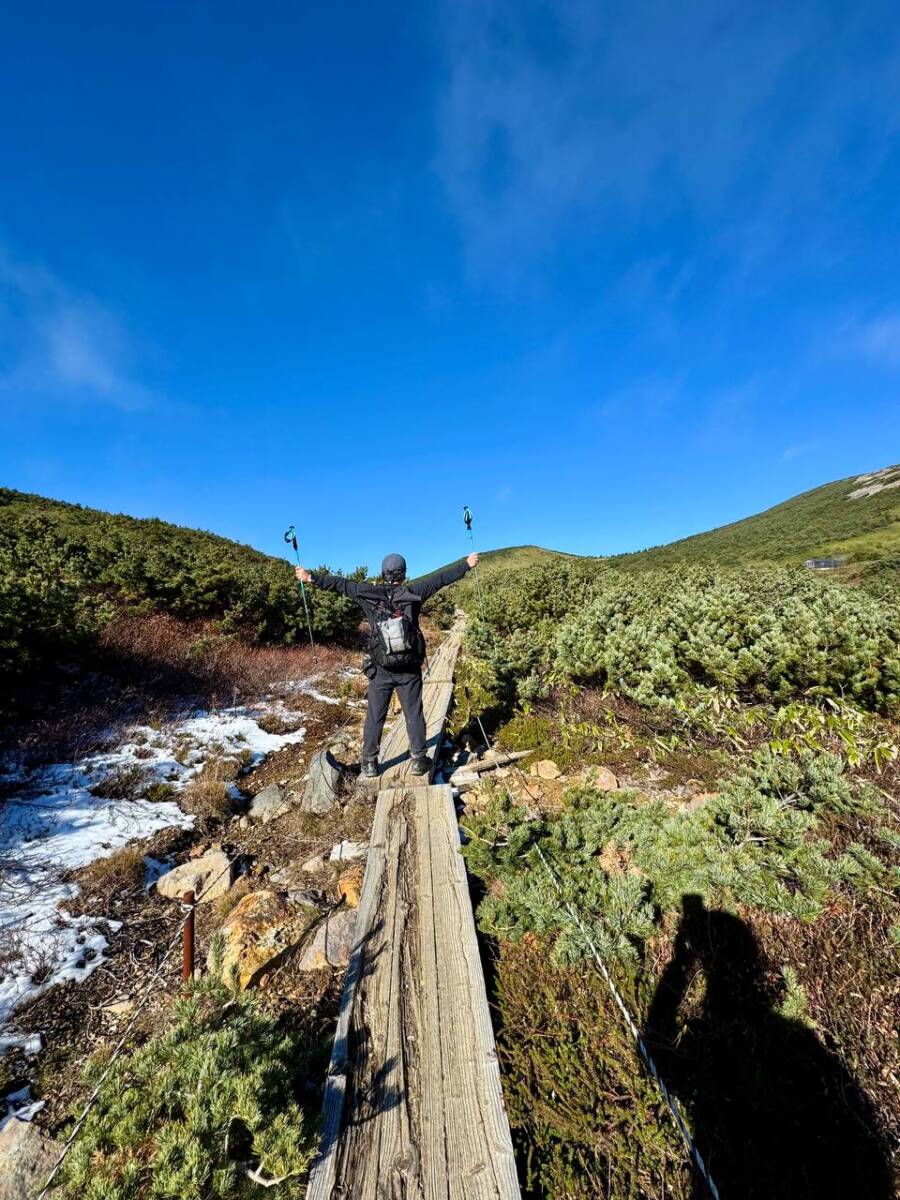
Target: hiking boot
(368,768)
(421,765)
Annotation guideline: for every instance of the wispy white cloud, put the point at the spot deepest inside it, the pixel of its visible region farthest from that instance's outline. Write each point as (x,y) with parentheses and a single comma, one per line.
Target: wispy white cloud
(729,417)
(557,116)
(878,340)
(800,450)
(646,397)
(62,346)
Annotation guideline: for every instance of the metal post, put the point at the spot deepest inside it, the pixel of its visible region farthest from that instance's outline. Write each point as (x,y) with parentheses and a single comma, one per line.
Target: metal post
(187,969)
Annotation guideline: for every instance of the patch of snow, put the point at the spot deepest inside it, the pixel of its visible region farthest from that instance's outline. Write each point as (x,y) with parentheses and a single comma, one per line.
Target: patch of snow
(155,868)
(29,1043)
(306,687)
(55,823)
(178,751)
(19,1106)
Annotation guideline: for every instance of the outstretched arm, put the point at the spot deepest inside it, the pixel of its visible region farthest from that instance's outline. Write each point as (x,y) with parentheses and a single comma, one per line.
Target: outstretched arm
(433,583)
(328,583)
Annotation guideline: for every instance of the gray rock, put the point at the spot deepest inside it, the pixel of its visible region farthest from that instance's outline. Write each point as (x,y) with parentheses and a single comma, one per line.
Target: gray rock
(292,879)
(121,1008)
(26,1159)
(208,877)
(348,851)
(332,943)
(268,804)
(323,785)
(311,897)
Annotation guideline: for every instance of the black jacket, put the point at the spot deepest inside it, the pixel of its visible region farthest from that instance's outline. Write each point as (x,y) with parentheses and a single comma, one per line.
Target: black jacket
(409,596)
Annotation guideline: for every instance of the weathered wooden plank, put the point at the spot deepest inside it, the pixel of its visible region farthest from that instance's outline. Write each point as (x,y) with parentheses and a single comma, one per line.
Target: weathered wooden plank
(368,944)
(379,1120)
(423,1115)
(479,1143)
(413,1106)
(380,1080)
(435,1164)
(475,766)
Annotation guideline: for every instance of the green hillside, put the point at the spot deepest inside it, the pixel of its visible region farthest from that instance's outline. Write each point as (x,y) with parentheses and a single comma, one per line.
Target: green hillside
(66,570)
(511,558)
(715,742)
(858,516)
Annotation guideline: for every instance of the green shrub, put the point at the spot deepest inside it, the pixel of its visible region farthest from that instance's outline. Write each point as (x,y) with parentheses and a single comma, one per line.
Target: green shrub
(882,580)
(42,609)
(65,570)
(588,1121)
(189,1113)
(625,861)
(770,634)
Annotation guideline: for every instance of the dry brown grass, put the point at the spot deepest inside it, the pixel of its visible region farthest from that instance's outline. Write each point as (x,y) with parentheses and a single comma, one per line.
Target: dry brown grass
(206,795)
(225,904)
(273,723)
(206,798)
(222,666)
(148,667)
(122,869)
(123,784)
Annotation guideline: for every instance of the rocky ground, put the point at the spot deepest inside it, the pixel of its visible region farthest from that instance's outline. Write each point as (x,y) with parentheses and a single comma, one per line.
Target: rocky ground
(276,857)
(540,784)
(278,879)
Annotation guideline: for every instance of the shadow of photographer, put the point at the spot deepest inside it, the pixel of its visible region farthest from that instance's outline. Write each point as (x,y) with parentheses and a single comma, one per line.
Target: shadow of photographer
(775,1113)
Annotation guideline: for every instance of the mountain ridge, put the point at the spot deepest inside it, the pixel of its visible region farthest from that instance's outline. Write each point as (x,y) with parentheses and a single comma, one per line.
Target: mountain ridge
(811,524)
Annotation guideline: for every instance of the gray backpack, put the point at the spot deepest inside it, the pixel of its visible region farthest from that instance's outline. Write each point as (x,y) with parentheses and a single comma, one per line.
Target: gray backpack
(396,641)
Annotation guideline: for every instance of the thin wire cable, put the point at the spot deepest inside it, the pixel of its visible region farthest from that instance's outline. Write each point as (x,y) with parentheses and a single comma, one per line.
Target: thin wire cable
(92,1099)
(671,1102)
(120,1045)
(644,1052)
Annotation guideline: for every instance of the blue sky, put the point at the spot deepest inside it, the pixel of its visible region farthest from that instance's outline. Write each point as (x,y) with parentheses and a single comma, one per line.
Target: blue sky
(608,273)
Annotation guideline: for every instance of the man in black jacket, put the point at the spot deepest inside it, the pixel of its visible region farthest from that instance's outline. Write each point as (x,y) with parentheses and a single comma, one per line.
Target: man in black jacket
(396,647)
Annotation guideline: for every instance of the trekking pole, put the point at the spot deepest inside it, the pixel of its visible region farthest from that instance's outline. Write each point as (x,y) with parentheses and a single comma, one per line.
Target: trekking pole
(290,537)
(467,517)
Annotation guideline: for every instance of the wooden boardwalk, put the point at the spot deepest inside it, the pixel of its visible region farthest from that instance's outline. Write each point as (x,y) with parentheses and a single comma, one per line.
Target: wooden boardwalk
(413,1105)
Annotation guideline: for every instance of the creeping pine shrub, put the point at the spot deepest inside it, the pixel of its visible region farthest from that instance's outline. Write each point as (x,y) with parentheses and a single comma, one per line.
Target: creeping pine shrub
(623,864)
(771,634)
(587,1121)
(66,570)
(522,598)
(882,579)
(42,609)
(187,1115)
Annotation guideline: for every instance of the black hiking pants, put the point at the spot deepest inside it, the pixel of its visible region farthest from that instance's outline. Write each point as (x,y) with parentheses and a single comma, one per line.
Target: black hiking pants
(408,685)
